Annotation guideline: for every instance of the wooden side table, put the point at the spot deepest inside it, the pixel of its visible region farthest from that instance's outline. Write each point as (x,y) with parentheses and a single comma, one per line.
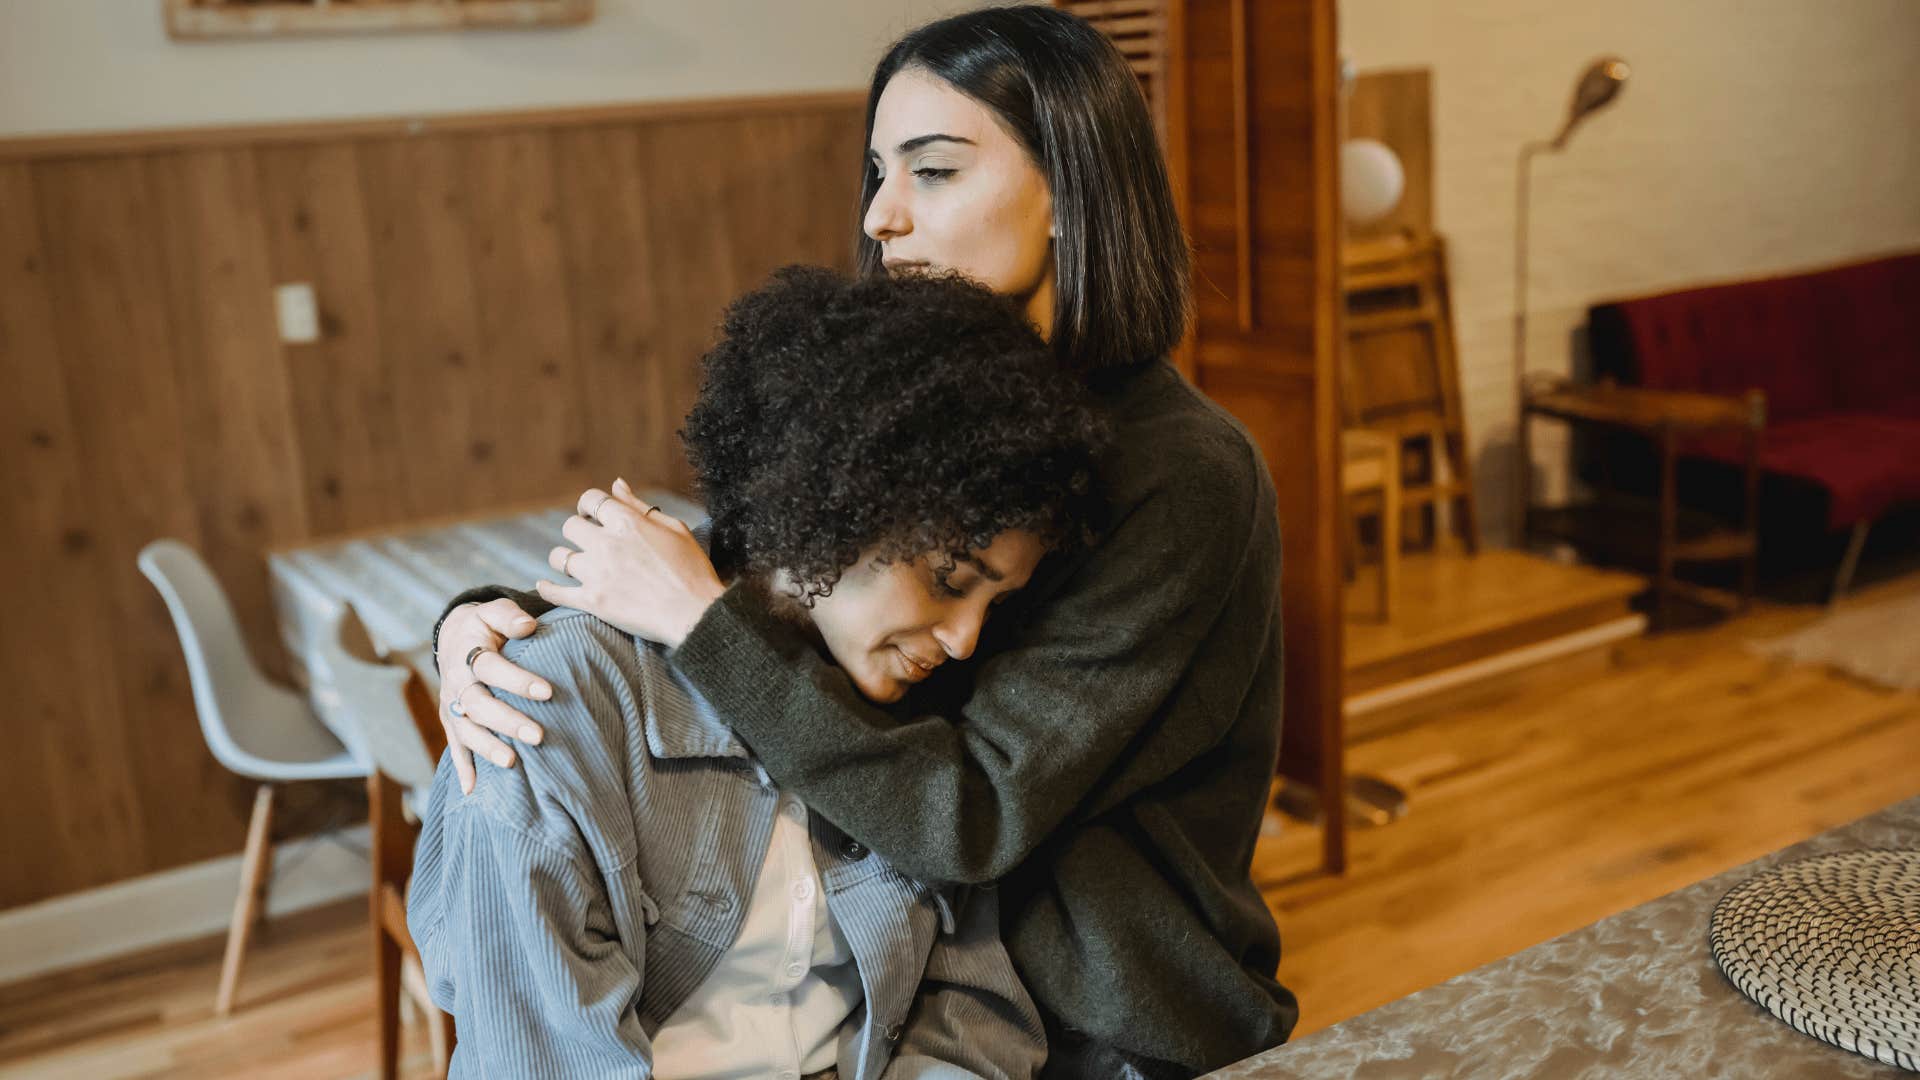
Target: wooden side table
(1618,526)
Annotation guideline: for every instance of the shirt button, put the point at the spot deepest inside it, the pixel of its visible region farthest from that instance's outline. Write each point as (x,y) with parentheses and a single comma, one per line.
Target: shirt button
(852,849)
(893,1033)
(795,971)
(802,890)
(796,811)
(789,1074)
(777,999)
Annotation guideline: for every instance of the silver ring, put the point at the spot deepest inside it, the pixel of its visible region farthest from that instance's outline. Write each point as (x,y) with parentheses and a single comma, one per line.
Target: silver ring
(566,564)
(472,655)
(650,510)
(454,707)
(595,512)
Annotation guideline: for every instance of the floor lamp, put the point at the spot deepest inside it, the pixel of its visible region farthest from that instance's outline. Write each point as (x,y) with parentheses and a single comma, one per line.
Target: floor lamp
(1597,88)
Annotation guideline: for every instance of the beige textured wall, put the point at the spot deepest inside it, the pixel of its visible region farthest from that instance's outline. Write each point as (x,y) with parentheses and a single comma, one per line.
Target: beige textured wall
(1756,136)
(92,65)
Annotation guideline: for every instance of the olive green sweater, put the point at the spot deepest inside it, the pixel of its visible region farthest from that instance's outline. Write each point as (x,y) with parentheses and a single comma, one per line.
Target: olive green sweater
(1106,756)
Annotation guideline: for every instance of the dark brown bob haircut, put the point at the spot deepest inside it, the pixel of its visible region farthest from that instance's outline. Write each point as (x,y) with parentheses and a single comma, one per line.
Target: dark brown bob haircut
(1059,87)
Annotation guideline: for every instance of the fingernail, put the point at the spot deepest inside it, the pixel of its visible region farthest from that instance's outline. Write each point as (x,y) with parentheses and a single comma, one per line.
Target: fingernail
(523,624)
(505,761)
(530,734)
(621,485)
(541,691)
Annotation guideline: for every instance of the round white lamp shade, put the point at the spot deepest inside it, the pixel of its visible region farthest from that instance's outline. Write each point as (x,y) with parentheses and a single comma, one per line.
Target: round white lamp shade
(1371,180)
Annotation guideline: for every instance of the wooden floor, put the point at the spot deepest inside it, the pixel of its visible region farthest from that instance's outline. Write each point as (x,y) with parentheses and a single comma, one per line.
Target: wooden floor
(1541,807)
(303,1011)
(1537,808)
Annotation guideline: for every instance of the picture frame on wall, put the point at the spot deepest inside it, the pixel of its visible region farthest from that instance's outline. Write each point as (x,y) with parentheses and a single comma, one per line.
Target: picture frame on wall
(199,20)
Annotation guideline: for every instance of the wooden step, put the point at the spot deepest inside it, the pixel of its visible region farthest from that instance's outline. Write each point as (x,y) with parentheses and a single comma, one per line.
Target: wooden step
(1459,615)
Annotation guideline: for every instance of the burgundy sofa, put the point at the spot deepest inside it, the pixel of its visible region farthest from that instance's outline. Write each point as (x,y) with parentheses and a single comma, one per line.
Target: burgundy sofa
(1837,353)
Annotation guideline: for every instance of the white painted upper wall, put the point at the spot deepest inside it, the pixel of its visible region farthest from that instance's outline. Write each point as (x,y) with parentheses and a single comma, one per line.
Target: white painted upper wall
(108,65)
(1754,137)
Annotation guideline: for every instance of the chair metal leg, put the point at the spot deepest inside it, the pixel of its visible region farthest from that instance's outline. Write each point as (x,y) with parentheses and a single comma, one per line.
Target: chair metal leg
(255,873)
(1849,562)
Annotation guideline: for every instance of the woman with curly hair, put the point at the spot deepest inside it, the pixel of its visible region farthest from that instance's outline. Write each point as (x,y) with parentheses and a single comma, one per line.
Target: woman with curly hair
(1107,756)
(639,898)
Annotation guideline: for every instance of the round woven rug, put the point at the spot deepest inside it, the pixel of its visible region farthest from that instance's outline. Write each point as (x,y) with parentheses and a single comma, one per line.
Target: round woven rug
(1831,945)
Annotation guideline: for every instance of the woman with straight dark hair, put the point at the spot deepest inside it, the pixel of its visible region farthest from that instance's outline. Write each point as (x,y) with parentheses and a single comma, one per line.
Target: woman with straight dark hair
(1106,757)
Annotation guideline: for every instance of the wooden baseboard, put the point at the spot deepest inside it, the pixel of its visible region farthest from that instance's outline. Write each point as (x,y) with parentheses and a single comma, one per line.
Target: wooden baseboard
(174,905)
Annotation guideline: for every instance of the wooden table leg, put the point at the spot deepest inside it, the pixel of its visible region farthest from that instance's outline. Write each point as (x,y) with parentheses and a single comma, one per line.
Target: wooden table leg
(1750,566)
(1523,476)
(1389,537)
(1669,517)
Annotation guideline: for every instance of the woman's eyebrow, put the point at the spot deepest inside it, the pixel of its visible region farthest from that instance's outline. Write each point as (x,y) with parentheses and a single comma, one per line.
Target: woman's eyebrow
(919,141)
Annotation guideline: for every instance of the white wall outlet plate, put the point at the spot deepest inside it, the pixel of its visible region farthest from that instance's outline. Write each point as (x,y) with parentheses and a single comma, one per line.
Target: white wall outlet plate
(299,313)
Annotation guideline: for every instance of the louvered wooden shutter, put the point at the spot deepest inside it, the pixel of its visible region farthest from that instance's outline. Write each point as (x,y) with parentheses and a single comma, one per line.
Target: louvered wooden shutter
(1139,28)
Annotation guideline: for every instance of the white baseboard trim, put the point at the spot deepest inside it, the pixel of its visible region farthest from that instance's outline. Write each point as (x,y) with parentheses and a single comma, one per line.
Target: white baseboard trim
(173,905)
(1621,629)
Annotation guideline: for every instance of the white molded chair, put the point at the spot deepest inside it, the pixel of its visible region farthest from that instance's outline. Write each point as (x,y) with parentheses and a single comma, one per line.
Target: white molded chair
(254,726)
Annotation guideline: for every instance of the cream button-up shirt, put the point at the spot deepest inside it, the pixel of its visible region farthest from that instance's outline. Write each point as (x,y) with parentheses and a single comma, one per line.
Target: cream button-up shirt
(774,1004)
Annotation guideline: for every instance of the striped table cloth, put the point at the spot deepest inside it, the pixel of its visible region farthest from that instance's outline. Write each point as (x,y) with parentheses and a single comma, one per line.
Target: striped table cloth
(399,581)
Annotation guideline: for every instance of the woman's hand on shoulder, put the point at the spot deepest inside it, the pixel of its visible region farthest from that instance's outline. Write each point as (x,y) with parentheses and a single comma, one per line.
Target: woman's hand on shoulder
(638,566)
(469,712)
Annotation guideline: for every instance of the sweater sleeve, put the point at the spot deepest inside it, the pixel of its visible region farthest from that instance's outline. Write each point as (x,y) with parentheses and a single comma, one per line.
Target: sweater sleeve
(1062,710)
(530,602)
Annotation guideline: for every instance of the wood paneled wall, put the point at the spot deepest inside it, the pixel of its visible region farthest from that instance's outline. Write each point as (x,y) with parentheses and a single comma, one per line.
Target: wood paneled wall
(512,308)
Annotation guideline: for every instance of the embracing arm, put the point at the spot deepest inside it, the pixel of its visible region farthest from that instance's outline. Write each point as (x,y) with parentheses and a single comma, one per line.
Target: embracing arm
(622,575)
(1106,690)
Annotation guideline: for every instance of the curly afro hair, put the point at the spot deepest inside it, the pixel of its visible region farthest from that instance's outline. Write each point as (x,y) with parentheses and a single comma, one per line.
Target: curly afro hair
(892,417)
